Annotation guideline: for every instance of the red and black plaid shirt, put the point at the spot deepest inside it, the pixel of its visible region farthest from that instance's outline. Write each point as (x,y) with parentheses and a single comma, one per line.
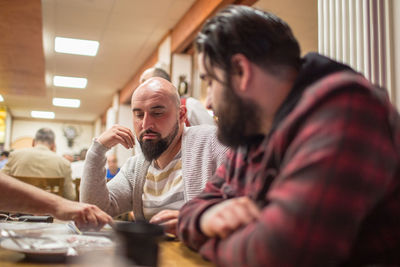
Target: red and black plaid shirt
(327,182)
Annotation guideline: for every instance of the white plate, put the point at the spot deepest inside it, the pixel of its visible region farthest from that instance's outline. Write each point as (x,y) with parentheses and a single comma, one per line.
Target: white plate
(57,247)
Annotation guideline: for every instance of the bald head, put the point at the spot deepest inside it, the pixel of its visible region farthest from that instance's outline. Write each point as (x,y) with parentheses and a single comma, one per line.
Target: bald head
(154,72)
(156,86)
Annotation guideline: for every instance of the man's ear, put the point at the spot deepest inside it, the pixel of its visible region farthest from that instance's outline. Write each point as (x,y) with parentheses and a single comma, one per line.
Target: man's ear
(182,114)
(241,72)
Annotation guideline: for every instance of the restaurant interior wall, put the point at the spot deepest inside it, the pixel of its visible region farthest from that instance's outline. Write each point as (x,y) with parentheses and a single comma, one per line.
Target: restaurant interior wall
(22,128)
(302,16)
(164,54)
(182,69)
(124,118)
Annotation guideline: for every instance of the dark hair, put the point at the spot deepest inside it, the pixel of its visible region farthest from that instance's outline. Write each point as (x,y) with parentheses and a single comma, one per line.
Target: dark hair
(45,135)
(262,37)
(5,153)
(161,73)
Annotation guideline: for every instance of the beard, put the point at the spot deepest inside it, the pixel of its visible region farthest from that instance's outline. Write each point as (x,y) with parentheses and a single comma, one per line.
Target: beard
(152,149)
(238,120)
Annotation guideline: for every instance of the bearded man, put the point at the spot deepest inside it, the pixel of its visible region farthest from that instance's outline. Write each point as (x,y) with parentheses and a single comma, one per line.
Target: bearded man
(314,175)
(174,166)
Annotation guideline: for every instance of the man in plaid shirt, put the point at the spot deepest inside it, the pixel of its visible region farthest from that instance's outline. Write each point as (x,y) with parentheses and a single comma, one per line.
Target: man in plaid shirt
(313,176)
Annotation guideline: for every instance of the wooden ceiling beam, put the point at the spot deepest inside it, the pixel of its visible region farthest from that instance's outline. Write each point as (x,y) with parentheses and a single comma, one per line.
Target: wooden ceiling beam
(182,35)
(21,48)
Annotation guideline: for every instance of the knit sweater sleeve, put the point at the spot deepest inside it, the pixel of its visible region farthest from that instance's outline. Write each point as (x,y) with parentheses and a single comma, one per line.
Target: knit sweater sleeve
(114,197)
(202,154)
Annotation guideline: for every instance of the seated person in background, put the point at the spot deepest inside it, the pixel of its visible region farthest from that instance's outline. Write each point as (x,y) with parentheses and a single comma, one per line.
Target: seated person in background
(113,169)
(41,161)
(17,196)
(314,179)
(3,158)
(196,113)
(77,166)
(173,167)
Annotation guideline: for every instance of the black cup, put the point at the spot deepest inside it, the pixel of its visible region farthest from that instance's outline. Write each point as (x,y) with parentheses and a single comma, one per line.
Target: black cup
(139,242)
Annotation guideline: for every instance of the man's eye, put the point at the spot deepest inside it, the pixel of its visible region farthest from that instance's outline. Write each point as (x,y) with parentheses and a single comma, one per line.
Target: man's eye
(139,115)
(157,114)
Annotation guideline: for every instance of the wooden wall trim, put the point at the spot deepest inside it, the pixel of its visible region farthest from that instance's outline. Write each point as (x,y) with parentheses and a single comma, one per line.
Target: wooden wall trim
(188,26)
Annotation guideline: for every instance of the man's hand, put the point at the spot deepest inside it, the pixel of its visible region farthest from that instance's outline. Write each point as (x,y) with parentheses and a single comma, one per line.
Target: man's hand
(224,218)
(168,219)
(85,216)
(117,135)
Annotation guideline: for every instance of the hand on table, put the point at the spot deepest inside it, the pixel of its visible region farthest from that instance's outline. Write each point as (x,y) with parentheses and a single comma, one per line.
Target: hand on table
(84,215)
(117,134)
(224,218)
(168,219)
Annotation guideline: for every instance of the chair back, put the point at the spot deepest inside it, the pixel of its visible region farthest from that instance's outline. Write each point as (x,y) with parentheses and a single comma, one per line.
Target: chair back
(53,185)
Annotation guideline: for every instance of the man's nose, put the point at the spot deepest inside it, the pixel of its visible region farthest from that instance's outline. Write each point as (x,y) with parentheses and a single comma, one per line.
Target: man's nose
(147,122)
(208,99)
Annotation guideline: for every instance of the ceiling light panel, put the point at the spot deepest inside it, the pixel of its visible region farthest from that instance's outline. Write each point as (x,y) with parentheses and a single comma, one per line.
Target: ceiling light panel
(42,114)
(76,46)
(66,102)
(73,82)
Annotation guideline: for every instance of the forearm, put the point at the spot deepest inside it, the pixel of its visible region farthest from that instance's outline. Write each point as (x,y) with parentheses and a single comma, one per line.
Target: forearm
(17,196)
(93,187)
(188,224)
(189,217)
(114,197)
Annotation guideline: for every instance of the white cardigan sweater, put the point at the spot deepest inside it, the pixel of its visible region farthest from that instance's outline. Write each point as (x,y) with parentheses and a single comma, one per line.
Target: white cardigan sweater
(201,155)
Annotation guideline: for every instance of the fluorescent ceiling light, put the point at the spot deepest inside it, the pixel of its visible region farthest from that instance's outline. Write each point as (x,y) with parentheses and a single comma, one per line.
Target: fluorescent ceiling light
(66,102)
(76,46)
(42,114)
(73,82)
(1,98)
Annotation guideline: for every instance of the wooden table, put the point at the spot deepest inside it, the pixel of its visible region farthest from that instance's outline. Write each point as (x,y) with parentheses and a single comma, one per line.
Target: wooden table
(172,254)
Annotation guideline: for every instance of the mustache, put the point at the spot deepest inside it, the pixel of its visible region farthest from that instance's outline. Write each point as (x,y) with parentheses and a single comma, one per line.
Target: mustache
(149,132)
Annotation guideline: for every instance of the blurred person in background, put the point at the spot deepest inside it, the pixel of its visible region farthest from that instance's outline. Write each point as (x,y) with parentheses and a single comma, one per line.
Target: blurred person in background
(41,161)
(113,169)
(4,158)
(77,166)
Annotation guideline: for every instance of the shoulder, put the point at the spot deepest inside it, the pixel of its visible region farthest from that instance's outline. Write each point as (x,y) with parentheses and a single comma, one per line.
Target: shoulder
(22,151)
(23,154)
(197,131)
(61,160)
(193,101)
(202,137)
(341,82)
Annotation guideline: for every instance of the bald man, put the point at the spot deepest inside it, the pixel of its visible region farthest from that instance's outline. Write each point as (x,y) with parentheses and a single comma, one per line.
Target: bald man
(174,166)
